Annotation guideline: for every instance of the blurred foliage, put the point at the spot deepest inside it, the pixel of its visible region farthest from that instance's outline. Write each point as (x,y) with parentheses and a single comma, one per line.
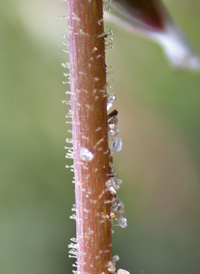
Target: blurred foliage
(159,164)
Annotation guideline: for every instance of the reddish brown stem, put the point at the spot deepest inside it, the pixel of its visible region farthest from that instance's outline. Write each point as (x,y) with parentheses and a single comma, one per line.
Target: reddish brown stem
(89,119)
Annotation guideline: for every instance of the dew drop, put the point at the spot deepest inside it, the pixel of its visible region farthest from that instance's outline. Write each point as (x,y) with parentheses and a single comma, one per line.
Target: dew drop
(116,146)
(122,271)
(72,246)
(113,184)
(112,122)
(65,65)
(122,221)
(73,216)
(118,206)
(73,239)
(110,100)
(112,190)
(115,258)
(86,155)
(73,251)
(111,266)
(113,132)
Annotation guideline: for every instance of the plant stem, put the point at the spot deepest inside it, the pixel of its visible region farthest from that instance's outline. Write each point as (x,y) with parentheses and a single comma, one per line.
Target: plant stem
(89,124)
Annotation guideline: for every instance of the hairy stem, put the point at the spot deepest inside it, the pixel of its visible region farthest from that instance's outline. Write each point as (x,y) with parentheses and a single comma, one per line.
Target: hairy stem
(90,141)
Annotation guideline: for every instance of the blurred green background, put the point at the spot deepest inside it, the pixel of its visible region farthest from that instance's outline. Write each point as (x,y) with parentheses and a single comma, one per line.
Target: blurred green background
(159,164)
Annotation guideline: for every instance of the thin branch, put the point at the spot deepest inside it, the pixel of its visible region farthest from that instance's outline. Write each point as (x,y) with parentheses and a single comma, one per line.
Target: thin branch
(90,140)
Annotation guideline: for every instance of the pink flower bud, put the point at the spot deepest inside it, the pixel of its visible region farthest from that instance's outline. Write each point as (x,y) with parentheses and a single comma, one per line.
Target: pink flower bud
(150,18)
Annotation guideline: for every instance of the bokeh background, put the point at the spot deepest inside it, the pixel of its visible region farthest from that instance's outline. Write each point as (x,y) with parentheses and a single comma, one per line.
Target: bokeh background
(159,164)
